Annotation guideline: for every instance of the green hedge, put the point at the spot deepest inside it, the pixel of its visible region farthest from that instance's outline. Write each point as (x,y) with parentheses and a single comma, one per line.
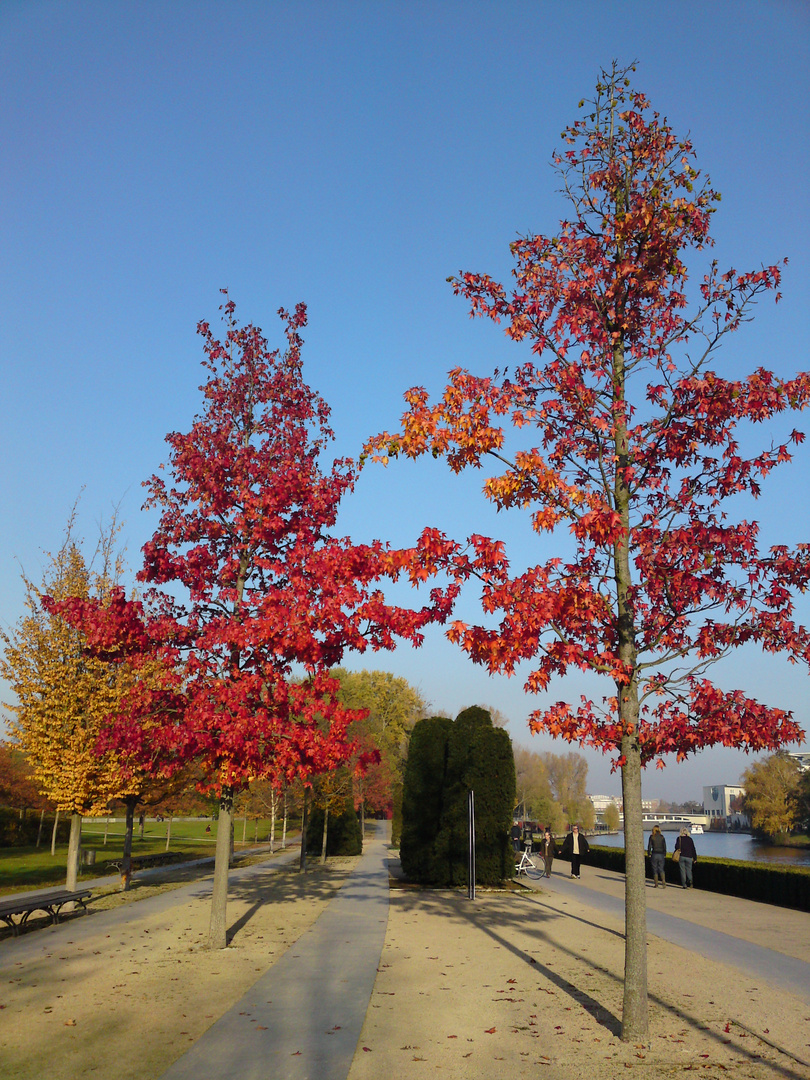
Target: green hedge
(767,883)
(445,761)
(344,836)
(16,831)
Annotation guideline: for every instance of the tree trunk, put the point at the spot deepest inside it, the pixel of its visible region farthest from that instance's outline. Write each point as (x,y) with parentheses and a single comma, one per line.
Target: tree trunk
(129,828)
(244,827)
(273,801)
(53,834)
(74,852)
(635,1013)
(217,928)
(302,862)
(284,825)
(169,832)
(106,828)
(635,1009)
(256,832)
(325,832)
(41,824)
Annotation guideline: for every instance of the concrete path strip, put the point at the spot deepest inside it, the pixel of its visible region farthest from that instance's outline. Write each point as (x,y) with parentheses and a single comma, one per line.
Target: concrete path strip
(303,1018)
(787,972)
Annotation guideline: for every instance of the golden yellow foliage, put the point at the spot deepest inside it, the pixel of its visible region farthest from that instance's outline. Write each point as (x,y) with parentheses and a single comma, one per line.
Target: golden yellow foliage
(64,695)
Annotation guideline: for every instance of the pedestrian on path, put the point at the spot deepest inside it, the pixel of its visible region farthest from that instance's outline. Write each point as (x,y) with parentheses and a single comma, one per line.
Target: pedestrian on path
(686,857)
(657,850)
(548,849)
(576,848)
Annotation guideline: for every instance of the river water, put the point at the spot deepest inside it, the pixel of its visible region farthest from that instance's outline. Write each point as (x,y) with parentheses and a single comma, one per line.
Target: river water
(721,845)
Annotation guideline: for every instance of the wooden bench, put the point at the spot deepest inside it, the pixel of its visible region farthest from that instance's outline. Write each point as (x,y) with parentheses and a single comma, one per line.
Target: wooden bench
(144,862)
(50,902)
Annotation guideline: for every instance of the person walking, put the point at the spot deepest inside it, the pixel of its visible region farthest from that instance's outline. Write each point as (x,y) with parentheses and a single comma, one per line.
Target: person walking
(576,847)
(657,850)
(687,857)
(548,849)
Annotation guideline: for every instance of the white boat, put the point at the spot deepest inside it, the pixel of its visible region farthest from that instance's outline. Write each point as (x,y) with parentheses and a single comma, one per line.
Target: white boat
(696,829)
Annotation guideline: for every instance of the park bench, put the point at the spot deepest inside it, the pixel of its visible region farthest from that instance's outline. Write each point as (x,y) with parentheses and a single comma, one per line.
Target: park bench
(51,902)
(144,862)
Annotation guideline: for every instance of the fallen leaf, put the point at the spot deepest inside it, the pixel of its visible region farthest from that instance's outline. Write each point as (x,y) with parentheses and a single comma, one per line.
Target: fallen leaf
(490,1031)
(366,1049)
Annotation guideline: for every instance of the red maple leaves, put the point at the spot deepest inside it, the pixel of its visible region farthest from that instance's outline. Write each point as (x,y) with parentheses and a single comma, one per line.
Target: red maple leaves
(631,444)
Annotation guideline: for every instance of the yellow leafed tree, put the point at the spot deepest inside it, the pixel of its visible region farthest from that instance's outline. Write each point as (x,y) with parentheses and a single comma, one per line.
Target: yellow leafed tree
(64,695)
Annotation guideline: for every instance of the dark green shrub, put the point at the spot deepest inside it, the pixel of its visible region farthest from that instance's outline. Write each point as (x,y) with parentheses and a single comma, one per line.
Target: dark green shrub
(479,759)
(445,761)
(16,831)
(422,796)
(344,836)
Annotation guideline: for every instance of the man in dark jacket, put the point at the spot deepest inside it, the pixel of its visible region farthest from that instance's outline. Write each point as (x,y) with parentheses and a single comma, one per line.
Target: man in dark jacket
(575,847)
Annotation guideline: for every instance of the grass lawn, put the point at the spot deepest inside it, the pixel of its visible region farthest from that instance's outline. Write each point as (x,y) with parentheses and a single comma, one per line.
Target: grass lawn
(23,868)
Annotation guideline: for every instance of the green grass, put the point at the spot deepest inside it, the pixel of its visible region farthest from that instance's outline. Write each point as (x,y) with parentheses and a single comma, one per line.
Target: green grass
(23,868)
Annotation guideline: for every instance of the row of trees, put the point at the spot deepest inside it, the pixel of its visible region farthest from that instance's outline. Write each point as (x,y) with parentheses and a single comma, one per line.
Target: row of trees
(614,432)
(552,789)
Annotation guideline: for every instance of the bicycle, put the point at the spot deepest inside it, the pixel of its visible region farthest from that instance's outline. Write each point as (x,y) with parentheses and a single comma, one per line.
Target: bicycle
(527,866)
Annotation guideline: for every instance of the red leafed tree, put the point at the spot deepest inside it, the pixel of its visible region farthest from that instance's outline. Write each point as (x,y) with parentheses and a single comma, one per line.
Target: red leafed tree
(259,582)
(620,433)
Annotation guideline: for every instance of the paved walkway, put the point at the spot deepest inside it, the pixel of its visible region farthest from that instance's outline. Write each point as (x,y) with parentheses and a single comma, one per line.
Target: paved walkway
(303,1018)
(761,940)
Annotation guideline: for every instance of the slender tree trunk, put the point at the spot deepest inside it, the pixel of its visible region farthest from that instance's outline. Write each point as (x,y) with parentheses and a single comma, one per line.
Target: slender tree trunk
(325,832)
(256,832)
(273,801)
(302,862)
(129,828)
(106,828)
(217,928)
(41,825)
(244,827)
(284,825)
(169,832)
(635,1008)
(53,834)
(635,1011)
(74,852)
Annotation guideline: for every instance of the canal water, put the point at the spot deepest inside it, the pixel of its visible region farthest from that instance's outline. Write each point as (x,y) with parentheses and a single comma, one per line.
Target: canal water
(721,845)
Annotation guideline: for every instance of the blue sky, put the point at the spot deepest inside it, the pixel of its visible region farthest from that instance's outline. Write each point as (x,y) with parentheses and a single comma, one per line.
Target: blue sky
(350,155)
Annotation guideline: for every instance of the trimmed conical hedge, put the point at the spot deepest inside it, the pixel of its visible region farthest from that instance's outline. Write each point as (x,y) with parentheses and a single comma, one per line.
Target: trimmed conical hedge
(445,761)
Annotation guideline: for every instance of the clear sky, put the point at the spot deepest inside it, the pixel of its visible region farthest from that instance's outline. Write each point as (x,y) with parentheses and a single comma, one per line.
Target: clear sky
(351,155)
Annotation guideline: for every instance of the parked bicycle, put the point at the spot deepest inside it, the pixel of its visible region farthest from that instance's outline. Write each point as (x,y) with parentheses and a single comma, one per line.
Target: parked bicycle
(526,865)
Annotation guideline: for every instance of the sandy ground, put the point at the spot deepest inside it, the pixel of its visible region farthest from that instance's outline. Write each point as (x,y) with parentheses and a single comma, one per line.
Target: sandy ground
(515,984)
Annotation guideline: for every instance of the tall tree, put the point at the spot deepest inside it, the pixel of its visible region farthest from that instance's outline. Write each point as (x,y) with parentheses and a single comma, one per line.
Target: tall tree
(772,795)
(619,436)
(260,583)
(393,706)
(63,693)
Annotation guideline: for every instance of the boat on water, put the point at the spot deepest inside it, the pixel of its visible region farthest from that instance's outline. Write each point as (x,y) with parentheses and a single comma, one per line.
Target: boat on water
(695,829)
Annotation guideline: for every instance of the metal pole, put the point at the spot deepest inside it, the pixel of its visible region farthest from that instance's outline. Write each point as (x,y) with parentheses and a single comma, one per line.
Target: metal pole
(471,824)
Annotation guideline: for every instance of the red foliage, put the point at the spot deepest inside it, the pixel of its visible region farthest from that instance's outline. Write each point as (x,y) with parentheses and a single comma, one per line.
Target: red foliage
(632,444)
(259,582)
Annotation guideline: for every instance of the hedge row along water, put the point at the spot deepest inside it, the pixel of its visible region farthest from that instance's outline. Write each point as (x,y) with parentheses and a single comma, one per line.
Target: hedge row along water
(786,886)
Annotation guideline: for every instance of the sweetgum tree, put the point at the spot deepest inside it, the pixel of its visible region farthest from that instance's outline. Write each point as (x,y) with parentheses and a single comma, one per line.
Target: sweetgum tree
(620,431)
(259,582)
